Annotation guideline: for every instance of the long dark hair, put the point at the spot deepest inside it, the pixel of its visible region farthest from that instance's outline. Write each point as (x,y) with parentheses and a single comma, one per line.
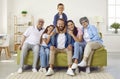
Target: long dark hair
(75,31)
(45,31)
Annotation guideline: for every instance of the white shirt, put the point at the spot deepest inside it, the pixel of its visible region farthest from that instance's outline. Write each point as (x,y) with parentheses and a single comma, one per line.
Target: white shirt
(33,35)
(86,36)
(61,16)
(44,36)
(61,41)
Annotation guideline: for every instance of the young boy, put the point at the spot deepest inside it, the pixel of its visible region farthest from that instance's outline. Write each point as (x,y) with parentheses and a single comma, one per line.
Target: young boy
(60,14)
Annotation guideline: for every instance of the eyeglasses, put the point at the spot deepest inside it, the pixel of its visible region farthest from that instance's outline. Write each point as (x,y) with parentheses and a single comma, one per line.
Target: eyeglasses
(83,22)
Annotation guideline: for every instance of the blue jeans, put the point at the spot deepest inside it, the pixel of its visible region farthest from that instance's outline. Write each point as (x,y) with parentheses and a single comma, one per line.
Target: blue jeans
(44,56)
(78,50)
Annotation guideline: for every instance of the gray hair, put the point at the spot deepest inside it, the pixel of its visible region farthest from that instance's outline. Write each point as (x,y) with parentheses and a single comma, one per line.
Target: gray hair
(84,19)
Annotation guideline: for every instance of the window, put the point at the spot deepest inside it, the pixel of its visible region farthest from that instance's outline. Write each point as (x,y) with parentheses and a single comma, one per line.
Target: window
(113,12)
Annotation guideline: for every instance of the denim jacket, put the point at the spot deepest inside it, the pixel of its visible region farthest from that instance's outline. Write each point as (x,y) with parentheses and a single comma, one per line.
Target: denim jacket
(93,33)
(56,17)
(53,41)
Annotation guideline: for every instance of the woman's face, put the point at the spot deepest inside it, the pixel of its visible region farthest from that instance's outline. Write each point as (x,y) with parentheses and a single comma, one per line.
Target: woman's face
(70,26)
(84,23)
(50,29)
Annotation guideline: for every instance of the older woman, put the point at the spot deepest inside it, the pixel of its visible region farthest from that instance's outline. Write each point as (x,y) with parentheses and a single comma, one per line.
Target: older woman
(92,39)
(76,34)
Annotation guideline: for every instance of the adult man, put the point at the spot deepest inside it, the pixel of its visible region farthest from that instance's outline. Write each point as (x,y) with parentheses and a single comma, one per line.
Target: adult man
(60,42)
(31,40)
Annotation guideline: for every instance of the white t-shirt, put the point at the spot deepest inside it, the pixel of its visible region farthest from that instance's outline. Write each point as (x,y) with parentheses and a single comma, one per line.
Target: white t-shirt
(61,16)
(61,41)
(86,36)
(44,36)
(33,35)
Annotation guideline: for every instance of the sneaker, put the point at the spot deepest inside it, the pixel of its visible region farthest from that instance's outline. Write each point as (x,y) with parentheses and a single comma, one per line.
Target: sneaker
(49,72)
(70,72)
(88,70)
(41,69)
(34,70)
(74,66)
(20,70)
(77,70)
(82,63)
(44,70)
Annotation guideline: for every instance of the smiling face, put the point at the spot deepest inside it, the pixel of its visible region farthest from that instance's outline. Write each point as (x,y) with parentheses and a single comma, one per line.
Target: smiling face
(84,23)
(60,8)
(50,29)
(60,25)
(40,23)
(70,26)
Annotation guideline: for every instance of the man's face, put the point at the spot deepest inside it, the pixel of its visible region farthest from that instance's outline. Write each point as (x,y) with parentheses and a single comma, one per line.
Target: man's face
(40,23)
(60,25)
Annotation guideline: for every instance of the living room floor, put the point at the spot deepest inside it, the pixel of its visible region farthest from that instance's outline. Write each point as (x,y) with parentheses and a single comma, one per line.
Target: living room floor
(9,66)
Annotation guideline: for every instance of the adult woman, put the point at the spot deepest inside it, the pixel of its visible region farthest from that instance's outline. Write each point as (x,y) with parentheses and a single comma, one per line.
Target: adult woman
(78,44)
(92,39)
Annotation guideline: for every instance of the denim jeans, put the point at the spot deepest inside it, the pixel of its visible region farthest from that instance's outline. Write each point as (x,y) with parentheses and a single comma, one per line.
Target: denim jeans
(44,56)
(78,50)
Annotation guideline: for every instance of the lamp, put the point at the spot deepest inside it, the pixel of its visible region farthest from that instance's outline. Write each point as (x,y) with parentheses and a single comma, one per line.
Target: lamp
(98,20)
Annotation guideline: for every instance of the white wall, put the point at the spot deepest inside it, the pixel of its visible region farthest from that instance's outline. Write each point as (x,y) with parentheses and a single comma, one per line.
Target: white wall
(73,8)
(3,16)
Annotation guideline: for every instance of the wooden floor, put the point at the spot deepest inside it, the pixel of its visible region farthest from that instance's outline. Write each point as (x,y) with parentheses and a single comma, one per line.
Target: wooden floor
(8,67)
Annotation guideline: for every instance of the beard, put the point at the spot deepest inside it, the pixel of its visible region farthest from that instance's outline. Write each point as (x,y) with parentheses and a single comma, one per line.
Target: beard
(61,28)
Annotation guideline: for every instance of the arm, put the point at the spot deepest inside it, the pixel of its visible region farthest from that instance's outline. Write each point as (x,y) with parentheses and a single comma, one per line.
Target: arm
(55,20)
(23,39)
(77,39)
(47,39)
(95,33)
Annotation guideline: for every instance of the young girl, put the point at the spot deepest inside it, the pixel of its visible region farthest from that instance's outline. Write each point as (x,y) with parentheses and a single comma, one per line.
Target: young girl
(44,49)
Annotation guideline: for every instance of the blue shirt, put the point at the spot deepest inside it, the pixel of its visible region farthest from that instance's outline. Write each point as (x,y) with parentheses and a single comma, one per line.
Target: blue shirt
(93,33)
(56,17)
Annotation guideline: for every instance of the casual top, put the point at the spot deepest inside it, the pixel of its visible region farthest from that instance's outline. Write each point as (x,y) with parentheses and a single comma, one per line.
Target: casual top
(86,36)
(93,33)
(79,32)
(61,41)
(53,41)
(45,36)
(57,16)
(33,35)
(61,16)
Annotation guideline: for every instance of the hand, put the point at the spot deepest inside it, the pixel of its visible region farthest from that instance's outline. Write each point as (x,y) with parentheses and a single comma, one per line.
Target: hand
(70,33)
(69,47)
(52,33)
(20,47)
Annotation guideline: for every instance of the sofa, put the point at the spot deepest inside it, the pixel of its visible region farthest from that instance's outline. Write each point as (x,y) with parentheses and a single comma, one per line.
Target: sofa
(99,58)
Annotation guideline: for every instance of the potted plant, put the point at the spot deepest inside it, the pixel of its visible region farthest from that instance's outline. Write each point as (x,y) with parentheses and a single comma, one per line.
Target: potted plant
(24,13)
(116,26)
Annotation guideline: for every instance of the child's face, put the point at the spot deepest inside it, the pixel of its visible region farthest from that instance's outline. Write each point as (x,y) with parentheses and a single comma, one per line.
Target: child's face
(50,29)
(60,8)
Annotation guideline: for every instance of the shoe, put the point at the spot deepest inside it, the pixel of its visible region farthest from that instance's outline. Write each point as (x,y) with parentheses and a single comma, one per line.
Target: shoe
(49,72)
(77,70)
(82,63)
(70,72)
(74,66)
(34,70)
(44,70)
(20,70)
(88,70)
(41,69)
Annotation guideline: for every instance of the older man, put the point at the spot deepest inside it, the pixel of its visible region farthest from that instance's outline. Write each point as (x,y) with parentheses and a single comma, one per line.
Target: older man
(31,40)
(61,42)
